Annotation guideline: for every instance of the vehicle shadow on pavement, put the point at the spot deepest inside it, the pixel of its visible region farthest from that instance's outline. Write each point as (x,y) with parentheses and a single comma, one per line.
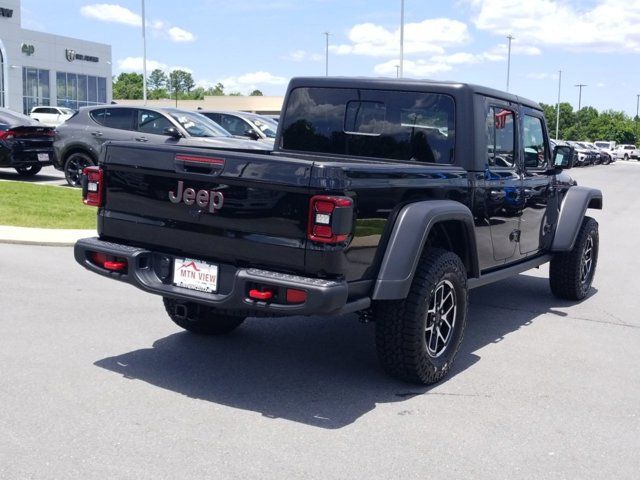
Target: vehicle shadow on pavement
(40,177)
(317,371)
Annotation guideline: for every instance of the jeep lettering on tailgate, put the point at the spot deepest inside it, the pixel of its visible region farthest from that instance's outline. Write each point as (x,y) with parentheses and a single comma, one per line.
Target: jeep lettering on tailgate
(214,200)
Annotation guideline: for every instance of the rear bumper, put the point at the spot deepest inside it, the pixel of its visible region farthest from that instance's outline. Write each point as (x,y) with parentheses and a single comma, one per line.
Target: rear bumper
(151,271)
(13,159)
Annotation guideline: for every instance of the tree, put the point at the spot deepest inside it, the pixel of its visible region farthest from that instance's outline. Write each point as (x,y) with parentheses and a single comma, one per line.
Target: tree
(180,83)
(215,91)
(128,86)
(256,93)
(157,80)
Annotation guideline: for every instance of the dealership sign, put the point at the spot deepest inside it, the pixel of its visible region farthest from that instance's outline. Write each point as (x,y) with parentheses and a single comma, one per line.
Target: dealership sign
(6,12)
(27,49)
(72,55)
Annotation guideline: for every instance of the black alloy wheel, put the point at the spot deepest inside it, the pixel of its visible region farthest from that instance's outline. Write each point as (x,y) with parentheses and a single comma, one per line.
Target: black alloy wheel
(74,166)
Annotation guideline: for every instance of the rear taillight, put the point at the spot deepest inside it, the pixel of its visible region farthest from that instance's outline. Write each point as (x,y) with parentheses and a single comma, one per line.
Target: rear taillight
(7,134)
(330,219)
(92,186)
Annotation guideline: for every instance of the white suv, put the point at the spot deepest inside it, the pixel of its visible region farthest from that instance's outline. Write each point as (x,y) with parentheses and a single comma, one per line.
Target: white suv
(627,151)
(51,116)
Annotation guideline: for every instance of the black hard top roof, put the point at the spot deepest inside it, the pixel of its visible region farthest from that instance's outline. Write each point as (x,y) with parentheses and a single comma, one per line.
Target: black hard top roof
(406,83)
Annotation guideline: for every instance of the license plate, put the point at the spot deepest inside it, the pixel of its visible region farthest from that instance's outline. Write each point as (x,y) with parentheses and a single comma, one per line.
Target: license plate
(43,157)
(195,275)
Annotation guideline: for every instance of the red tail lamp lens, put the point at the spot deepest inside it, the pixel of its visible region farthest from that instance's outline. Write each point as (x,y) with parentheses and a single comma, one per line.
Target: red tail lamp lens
(92,193)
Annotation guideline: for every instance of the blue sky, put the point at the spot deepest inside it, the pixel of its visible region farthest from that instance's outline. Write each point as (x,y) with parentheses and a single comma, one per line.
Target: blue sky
(250,44)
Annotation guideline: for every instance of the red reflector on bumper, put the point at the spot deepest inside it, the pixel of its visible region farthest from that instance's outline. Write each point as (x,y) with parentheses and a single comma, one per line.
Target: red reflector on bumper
(296,296)
(108,262)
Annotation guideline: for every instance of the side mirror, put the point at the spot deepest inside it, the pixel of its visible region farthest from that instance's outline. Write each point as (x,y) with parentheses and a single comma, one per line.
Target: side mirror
(172,132)
(563,156)
(252,134)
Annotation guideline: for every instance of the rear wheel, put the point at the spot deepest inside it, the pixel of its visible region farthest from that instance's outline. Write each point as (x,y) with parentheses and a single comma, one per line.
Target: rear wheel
(571,273)
(28,171)
(418,338)
(74,166)
(200,319)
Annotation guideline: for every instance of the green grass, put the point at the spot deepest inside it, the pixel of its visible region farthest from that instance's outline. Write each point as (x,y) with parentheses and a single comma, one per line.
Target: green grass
(44,206)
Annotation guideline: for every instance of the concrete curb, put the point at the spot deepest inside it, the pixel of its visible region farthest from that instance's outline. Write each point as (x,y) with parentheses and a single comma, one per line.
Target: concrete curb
(42,236)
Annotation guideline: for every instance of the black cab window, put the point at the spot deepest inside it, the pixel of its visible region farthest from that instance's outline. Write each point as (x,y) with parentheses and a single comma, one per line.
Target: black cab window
(152,122)
(500,127)
(409,126)
(535,152)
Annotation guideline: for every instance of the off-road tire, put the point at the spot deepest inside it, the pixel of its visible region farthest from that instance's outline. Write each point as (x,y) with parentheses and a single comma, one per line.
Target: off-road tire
(202,320)
(31,171)
(566,269)
(401,325)
(73,166)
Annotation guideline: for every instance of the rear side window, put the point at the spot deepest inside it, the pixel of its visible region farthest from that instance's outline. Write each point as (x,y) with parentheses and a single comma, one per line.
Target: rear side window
(409,126)
(501,137)
(120,118)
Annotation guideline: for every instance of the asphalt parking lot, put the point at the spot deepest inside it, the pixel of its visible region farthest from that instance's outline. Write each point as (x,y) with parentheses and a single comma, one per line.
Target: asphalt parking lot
(47,176)
(98,383)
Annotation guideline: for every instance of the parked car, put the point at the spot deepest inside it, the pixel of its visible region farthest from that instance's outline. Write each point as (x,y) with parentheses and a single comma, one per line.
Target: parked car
(627,152)
(604,157)
(25,145)
(243,124)
(79,139)
(608,147)
(593,151)
(51,116)
(585,156)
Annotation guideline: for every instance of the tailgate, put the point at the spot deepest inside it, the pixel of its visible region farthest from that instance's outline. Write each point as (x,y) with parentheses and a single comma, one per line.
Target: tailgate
(240,208)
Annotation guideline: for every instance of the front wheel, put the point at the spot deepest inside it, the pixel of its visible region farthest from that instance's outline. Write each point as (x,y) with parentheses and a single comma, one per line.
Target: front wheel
(417,338)
(571,273)
(74,166)
(28,171)
(626,156)
(200,319)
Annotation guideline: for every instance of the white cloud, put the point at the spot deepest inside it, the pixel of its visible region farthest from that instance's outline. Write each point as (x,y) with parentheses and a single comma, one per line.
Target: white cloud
(419,68)
(602,26)
(426,37)
(251,81)
(177,34)
(108,12)
(302,55)
(134,64)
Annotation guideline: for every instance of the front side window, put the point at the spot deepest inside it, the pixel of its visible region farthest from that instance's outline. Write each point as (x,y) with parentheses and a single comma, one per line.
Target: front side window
(152,122)
(535,151)
(198,125)
(500,128)
(234,125)
(407,126)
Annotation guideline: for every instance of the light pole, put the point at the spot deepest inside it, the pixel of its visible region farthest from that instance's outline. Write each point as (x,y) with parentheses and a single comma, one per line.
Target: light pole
(400,72)
(509,37)
(637,119)
(580,85)
(326,54)
(144,57)
(558,106)
(397,71)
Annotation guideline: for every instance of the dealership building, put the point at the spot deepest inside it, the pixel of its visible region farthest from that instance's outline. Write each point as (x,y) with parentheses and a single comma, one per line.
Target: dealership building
(37,68)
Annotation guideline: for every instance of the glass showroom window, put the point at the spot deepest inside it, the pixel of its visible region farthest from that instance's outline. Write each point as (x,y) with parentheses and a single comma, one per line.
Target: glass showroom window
(77,90)
(35,88)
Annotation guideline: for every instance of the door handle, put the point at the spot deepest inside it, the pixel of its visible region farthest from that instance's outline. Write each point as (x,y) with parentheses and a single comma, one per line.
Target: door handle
(497,195)
(96,134)
(142,139)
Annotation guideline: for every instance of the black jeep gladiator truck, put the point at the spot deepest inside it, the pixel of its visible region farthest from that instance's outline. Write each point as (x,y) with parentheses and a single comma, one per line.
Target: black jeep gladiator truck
(391,198)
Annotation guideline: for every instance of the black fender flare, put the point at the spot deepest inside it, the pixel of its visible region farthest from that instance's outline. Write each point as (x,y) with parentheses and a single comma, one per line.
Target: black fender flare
(407,239)
(572,211)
